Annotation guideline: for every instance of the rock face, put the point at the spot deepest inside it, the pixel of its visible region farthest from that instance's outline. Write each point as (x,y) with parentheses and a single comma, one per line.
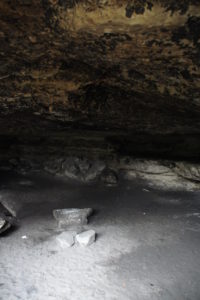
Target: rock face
(165,175)
(100,76)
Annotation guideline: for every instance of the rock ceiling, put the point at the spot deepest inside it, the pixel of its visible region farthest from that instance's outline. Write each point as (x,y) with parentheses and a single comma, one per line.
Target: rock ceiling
(110,65)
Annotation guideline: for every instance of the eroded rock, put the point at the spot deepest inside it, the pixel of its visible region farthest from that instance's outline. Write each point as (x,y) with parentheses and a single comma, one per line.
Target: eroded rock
(187,170)
(162,174)
(76,168)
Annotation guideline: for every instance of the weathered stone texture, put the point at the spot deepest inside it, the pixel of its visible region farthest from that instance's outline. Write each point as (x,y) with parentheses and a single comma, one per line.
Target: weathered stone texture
(132,66)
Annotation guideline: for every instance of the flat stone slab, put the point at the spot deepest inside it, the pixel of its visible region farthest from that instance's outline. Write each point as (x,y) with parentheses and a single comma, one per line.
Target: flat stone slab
(86,238)
(66,239)
(72,216)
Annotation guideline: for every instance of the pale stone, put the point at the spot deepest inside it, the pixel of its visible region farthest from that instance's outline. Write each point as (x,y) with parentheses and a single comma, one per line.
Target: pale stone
(66,239)
(86,238)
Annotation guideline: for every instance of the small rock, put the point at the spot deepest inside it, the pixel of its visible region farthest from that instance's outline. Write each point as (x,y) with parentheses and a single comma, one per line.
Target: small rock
(2,223)
(6,219)
(66,239)
(72,216)
(86,238)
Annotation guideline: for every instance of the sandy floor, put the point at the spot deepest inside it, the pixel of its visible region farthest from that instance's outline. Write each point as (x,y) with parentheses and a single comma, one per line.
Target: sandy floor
(147,247)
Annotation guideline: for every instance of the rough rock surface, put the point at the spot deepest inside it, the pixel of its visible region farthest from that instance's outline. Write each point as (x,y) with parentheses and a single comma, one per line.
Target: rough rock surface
(161,172)
(174,175)
(82,169)
(72,216)
(188,170)
(100,76)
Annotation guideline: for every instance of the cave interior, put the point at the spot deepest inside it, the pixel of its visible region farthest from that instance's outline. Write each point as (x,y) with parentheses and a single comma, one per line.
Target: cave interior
(100,108)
